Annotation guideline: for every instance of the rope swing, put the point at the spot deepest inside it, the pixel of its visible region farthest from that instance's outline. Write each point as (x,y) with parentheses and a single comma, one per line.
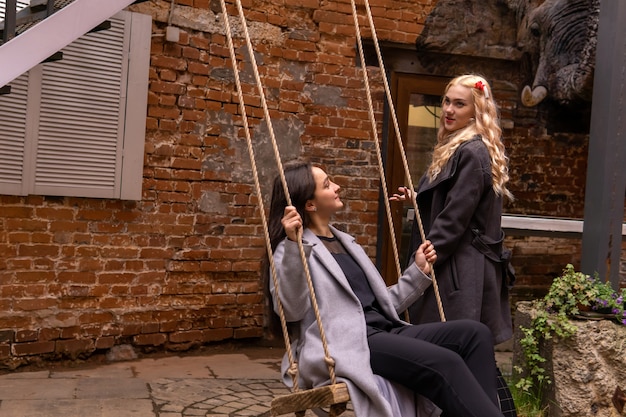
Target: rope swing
(405,163)
(335,395)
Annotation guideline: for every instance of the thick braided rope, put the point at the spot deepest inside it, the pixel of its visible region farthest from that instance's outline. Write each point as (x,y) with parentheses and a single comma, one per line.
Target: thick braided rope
(293,370)
(372,118)
(328,359)
(405,163)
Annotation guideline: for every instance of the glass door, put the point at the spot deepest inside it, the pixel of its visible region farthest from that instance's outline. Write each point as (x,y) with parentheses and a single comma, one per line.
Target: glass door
(418,108)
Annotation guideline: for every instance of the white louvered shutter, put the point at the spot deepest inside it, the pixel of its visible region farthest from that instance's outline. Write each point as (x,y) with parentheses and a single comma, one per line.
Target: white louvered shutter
(84,129)
(13,136)
(80,134)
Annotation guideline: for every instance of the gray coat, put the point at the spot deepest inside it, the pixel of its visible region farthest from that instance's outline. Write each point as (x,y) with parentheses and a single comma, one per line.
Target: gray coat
(461,215)
(341,314)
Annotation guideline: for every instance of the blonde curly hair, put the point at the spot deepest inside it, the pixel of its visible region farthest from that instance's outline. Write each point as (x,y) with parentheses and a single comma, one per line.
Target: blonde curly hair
(485,123)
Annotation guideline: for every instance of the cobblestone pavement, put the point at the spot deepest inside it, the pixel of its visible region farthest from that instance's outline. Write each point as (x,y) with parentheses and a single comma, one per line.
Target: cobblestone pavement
(217,398)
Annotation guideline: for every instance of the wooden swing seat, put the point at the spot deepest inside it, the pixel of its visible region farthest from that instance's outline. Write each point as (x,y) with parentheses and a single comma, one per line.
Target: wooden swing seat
(336,396)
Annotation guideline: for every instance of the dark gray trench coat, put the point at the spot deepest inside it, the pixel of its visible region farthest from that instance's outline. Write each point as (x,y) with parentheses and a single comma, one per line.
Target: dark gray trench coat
(461,214)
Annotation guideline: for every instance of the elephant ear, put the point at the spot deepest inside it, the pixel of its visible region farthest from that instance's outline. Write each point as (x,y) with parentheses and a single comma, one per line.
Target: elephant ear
(566,50)
(580,80)
(574,82)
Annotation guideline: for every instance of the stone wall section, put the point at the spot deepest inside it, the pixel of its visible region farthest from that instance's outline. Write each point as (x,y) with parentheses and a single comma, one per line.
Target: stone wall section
(585,368)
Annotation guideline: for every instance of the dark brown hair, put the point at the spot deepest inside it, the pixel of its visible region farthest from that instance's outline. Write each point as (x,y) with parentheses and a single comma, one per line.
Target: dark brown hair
(301,185)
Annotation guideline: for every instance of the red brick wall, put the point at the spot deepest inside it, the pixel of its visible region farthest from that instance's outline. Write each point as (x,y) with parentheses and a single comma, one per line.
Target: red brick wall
(548,174)
(181,267)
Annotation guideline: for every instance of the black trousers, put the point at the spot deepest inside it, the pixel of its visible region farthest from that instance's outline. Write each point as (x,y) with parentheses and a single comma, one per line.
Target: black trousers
(451,363)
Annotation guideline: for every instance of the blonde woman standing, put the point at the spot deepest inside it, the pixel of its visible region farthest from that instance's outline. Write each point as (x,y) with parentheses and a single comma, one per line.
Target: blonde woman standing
(460,199)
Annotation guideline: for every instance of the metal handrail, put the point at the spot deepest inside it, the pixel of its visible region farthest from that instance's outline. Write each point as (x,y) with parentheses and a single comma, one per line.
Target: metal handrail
(10,18)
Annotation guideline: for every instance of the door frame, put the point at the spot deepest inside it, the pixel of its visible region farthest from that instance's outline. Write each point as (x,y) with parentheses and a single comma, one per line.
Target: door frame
(403,85)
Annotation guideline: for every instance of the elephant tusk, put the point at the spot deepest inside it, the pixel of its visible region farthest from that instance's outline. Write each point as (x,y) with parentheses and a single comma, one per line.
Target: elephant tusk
(534,97)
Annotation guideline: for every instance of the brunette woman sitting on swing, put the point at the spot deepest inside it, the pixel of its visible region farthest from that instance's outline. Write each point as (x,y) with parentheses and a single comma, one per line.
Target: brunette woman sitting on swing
(451,363)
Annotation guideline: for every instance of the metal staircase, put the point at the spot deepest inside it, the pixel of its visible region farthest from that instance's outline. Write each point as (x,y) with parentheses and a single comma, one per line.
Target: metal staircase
(36,33)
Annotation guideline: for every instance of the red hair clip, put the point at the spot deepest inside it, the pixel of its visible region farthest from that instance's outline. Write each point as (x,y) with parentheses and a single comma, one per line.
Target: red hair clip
(481,86)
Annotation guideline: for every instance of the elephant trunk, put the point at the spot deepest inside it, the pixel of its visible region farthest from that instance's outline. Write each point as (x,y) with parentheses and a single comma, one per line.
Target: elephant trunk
(532,96)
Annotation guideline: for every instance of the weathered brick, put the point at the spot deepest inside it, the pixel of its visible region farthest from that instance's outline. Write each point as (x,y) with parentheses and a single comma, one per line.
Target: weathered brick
(106,342)
(214,335)
(249,299)
(47,334)
(7,336)
(38,250)
(9,211)
(30,304)
(250,332)
(70,332)
(33,348)
(111,330)
(150,328)
(154,339)
(5,351)
(75,347)
(168,62)
(182,337)
(131,329)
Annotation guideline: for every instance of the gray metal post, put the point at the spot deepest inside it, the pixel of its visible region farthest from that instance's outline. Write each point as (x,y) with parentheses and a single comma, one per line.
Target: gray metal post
(606,169)
(10,11)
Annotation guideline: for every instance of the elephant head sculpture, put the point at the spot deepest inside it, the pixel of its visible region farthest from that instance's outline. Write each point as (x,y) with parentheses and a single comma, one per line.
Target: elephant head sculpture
(560,36)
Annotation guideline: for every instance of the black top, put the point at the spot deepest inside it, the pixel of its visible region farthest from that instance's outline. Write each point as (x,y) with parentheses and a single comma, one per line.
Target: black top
(374,317)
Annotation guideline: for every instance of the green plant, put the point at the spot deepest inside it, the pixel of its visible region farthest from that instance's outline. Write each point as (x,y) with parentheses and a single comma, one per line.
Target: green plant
(568,295)
(543,326)
(527,405)
(610,302)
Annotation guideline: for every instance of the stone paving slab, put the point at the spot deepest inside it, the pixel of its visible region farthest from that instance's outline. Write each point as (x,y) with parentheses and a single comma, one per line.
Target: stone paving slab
(77,407)
(100,388)
(37,388)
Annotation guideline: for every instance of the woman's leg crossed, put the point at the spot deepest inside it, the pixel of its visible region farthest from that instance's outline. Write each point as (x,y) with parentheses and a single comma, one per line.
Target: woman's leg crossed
(440,361)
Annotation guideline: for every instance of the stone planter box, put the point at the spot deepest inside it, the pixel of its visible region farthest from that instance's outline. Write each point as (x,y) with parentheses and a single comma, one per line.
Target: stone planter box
(585,369)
